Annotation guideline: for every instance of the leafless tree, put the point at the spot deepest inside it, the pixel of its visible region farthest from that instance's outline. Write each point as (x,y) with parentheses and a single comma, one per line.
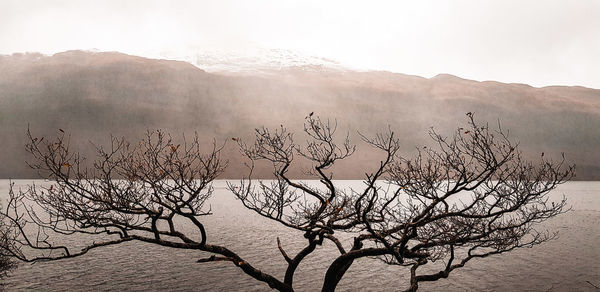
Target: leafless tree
(133,192)
(470,196)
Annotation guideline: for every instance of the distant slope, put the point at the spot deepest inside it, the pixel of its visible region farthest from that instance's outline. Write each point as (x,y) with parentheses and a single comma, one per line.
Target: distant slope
(92,95)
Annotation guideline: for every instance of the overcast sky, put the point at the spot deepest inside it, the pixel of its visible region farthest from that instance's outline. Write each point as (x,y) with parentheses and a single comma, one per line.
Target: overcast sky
(535,42)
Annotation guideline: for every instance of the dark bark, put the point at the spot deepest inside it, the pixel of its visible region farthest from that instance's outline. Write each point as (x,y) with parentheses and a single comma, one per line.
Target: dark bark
(417,216)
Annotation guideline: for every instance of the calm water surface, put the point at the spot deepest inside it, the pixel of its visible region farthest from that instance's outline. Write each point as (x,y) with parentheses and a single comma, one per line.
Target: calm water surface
(564,264)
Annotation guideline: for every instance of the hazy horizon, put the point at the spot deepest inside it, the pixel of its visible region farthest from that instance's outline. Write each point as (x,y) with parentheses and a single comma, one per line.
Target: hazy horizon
(226,66)
(554,43)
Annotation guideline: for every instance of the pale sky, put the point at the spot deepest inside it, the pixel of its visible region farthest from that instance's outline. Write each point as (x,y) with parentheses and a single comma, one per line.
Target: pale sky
(527,41)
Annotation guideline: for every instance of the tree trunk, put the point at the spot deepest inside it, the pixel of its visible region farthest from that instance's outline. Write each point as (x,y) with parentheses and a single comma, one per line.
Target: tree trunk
(334,274)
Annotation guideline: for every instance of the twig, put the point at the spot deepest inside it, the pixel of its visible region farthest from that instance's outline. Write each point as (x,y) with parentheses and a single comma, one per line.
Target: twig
(214,258)
(593,285)
(285,256)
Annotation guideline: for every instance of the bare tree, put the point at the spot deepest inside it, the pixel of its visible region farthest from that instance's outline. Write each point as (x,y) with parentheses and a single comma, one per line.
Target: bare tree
(133,192)
(470,196)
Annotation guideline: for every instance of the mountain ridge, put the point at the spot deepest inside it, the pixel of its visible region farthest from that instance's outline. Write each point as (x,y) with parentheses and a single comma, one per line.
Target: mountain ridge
(95,94)
(87,53)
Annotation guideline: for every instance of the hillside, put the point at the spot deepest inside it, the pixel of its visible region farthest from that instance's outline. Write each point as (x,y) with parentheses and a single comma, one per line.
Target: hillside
(93,95)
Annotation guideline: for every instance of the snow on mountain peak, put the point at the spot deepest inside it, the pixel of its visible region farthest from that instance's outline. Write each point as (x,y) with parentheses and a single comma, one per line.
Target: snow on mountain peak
(253,60)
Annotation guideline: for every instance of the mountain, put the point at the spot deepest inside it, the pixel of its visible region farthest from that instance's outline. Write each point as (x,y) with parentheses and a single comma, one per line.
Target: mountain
(248,60)
(94,94)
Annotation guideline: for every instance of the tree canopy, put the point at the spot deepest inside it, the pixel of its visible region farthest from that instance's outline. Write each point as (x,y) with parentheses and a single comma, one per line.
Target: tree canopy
(470,195)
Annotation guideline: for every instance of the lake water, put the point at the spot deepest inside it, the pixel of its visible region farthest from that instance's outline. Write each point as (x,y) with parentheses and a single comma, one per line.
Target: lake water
(565,264)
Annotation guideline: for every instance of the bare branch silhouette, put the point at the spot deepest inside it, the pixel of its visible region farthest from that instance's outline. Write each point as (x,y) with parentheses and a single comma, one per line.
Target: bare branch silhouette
(471,195)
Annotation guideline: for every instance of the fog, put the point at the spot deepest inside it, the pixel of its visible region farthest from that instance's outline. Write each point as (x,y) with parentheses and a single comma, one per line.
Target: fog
(538,43)
(94,95)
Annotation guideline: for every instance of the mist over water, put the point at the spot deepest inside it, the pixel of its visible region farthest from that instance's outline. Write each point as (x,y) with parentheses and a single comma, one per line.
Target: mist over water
(564,264)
